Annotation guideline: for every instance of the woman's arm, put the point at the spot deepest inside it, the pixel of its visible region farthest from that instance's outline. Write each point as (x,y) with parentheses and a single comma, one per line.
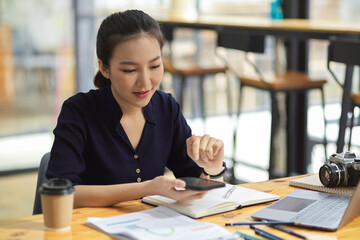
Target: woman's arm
(108,195)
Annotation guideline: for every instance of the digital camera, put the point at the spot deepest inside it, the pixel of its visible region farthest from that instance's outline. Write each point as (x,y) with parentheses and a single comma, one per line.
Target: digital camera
(341,169)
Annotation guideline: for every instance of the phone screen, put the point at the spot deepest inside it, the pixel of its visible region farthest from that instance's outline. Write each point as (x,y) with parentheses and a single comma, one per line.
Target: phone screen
(199,184)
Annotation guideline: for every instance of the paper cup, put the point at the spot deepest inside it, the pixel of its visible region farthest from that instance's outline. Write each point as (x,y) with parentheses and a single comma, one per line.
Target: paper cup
(57,200)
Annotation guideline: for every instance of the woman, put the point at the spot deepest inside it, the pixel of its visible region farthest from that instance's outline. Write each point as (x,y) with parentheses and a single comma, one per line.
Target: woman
(114,143)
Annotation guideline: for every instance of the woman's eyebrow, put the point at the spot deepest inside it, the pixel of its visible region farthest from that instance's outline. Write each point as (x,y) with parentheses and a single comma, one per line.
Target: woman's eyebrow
(133,63)
(154,59)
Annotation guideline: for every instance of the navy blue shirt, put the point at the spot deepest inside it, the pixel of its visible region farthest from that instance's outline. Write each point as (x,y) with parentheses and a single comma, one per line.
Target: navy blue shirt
(92,148)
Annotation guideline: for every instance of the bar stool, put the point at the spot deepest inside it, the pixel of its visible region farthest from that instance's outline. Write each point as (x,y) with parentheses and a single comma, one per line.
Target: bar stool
(289,82)
(345,51)
(189,67)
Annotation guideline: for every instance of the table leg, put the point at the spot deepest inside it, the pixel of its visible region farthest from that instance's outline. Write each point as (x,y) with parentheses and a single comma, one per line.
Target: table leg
(297,133)
(345,108)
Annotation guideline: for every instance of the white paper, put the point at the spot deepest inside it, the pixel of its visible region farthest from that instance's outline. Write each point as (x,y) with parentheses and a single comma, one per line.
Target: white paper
(157,223)
(242,195)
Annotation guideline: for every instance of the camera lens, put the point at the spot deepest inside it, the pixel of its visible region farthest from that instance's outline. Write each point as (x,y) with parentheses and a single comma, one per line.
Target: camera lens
(332,175)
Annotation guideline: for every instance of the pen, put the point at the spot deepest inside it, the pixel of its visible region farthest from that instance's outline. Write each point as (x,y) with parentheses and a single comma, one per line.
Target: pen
(260,223)
(265,234)
(287,231)
(247,237)
(228,193)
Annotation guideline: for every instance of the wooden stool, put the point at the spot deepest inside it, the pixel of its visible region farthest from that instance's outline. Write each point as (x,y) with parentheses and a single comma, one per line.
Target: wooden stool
(184,68)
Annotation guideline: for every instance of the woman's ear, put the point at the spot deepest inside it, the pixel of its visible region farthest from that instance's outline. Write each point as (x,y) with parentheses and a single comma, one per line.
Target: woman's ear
(104,71)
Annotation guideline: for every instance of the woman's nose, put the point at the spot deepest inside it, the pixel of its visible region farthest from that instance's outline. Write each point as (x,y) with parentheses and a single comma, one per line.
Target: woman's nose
(143,78)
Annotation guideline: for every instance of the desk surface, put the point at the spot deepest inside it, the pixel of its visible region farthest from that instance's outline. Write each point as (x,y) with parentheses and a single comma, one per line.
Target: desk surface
(259,23)
(32,227)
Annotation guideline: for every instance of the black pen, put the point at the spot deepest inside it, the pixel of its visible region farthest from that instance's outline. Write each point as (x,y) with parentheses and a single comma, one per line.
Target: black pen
(287,231)
(260,223)
(265,233)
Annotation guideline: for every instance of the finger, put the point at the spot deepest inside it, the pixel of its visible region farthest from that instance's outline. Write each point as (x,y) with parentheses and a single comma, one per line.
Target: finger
(195,148)
(207,177)
(197,196)
(178,183)
(203,147)
(191,195)
(204,142)
(189,143)
(210,148)
(218,145)
(203,156)
(190,140)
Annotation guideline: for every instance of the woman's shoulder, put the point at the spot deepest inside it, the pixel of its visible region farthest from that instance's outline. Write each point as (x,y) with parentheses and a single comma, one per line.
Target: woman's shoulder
(82,97)
(164,104)
(163,97)
(82,102)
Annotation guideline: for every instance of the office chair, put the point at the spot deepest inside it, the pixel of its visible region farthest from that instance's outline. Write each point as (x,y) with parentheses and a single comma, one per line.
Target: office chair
(346,51)
(189,67)
(289,82)
(40,180)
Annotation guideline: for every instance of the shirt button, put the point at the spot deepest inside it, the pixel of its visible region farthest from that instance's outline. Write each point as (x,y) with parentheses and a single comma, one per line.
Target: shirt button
(136,156)
(138,179)
(137,170)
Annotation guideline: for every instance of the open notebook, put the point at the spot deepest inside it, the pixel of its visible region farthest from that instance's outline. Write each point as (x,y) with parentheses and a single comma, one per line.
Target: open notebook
(215,201)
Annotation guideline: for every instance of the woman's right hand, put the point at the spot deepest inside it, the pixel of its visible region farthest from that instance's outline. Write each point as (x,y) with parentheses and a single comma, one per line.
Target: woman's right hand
(165,186)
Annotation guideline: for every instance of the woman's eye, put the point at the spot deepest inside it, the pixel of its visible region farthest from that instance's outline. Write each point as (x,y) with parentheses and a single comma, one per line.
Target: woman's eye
(156,66)
(128,70)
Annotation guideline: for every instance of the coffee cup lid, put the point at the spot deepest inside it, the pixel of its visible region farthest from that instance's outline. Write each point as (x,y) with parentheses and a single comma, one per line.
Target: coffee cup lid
(57,186)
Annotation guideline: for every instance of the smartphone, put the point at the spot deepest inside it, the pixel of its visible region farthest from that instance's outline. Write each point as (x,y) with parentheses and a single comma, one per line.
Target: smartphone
(199,184)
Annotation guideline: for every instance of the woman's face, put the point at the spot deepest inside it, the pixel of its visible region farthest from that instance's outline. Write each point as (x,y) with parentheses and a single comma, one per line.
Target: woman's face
(135,71)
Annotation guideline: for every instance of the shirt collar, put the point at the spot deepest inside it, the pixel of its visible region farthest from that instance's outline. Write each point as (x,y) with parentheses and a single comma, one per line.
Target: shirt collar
(114,112)
(149,112)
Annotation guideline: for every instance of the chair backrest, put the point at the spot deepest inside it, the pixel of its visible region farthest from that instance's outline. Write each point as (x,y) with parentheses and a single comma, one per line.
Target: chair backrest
(345,51)
(40,180)
(240,41)
(231,39)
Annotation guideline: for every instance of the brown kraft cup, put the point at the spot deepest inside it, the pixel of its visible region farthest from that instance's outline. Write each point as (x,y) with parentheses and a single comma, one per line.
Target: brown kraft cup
(57,201)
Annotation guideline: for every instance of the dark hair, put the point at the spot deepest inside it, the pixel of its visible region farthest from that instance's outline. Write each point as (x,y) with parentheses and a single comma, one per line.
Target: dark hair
(120,27)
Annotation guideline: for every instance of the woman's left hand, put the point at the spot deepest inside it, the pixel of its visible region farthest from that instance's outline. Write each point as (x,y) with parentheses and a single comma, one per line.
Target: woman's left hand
(207,152)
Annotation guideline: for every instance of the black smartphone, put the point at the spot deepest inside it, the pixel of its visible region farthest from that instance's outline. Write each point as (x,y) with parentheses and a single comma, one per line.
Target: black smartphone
(199,184)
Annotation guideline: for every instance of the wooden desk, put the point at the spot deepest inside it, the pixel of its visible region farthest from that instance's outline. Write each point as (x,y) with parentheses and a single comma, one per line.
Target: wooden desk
(32,227)
(296,32)
(299,28)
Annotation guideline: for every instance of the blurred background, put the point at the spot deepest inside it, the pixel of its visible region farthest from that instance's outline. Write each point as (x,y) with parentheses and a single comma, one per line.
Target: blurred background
(47,54)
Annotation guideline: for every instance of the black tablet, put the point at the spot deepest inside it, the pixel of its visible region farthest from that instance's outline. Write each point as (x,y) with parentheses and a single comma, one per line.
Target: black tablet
(199,184)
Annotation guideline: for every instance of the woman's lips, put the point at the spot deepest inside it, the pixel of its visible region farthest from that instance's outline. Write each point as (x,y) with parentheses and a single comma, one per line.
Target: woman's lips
(142,94)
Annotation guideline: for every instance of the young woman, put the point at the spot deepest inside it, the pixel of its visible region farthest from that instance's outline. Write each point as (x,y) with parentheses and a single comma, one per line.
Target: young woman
(114,142)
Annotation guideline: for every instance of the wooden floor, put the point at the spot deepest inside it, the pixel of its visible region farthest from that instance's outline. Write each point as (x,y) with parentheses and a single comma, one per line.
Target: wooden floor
(20,189)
